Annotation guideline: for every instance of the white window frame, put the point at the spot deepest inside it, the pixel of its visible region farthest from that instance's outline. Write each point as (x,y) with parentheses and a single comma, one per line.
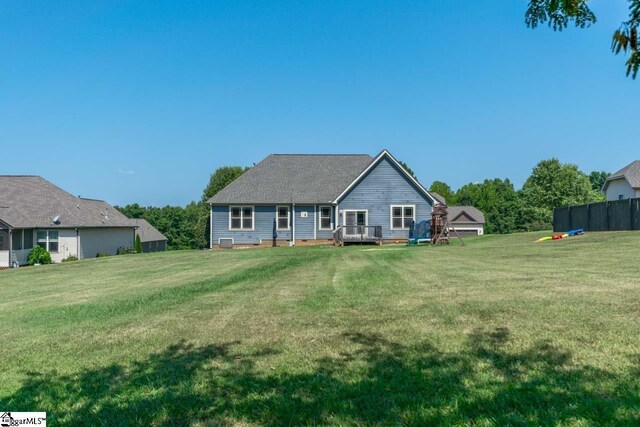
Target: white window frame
(413,207)
(320,217)
(48,240)
(253,218)
(278,218)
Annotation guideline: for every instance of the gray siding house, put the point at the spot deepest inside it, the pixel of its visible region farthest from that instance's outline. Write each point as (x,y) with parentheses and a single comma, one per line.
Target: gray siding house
(33,211)
(623,184)
(307,198)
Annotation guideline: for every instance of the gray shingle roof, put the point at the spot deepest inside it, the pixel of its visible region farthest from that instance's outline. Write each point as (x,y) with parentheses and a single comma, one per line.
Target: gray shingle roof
(31,201)
(474,213)
(438,197)
(294,178)
(146,231)
(631,172)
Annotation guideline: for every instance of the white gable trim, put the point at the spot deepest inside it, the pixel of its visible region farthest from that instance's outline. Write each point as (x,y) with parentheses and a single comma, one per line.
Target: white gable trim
(373,164)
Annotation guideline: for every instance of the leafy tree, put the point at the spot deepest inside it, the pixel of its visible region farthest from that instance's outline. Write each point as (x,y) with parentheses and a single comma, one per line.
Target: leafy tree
(138,244)
(559,13)
(597,179)
(554,184)
(498,201)
(445,191)
(132,211)
(408,169)
(222,177)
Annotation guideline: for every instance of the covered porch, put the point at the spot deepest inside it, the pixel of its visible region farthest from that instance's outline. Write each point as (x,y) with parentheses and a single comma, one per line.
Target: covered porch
(5,249)
(15,246)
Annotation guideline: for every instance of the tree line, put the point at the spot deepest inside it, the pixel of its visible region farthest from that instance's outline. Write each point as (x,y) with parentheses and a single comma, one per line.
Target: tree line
(507,210)
(186,227)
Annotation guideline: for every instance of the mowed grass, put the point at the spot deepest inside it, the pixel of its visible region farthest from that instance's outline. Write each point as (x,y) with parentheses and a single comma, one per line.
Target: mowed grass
(500,331)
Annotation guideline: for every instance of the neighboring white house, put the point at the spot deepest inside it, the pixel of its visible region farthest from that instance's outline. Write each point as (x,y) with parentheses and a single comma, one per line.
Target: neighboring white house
(33,211)
(624,184)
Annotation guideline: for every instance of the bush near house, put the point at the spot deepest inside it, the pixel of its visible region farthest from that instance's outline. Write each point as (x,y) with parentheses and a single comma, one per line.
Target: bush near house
(39,255)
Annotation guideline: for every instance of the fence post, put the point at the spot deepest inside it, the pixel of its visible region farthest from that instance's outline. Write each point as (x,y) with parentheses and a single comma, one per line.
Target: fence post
(587,225)
(569,219)
(606,216)
(630,213)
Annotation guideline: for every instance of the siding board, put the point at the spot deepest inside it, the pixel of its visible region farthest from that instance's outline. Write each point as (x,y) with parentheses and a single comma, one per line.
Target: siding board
(382,187)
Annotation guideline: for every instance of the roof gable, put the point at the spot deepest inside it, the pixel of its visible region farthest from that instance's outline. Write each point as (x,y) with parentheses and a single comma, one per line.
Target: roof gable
(631,173)
(465,214)
(385,155)
(294,178)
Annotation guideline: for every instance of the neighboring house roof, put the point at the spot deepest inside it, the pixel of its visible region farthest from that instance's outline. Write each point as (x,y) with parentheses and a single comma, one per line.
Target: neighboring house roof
(304,179)
(465,215)
(294,178)
(631,173)
(438,198)
(146,231)
(28,201)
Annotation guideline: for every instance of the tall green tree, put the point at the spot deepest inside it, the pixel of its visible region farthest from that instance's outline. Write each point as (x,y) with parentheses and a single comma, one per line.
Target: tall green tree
(555,184)
(560,13)
(408,169)
(222,177)
(445,191)
(597,179)
(498,201)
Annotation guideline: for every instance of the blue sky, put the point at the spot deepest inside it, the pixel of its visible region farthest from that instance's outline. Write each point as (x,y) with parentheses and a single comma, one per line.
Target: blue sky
(139,101)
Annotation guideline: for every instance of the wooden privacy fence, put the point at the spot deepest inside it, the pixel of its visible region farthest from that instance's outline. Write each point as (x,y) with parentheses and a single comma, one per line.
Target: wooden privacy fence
(605,216)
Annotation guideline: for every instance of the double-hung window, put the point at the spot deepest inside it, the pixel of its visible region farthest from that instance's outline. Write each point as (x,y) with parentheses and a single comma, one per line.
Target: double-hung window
(325,218)
(401,216)
(284,215)
(241,218)
(48,239)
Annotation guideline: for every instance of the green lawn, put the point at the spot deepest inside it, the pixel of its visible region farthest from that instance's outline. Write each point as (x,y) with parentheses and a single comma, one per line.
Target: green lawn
(500,331)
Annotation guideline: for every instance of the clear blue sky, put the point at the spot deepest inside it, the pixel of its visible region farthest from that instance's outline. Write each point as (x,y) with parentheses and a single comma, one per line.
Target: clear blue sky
(139,101)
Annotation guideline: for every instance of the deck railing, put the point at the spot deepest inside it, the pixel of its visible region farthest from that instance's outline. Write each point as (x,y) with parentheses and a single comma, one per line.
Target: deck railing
(357,234)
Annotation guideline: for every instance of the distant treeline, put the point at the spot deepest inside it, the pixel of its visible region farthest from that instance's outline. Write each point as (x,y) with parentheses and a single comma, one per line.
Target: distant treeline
(551,184)
(507,210)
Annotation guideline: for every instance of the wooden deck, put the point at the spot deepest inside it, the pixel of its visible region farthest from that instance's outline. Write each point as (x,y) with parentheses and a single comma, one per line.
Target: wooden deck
(358,234)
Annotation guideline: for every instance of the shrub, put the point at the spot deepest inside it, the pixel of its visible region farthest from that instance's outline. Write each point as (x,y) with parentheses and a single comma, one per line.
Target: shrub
(39,255)
(102,254)
(70,258)
(138,244)
(125,251)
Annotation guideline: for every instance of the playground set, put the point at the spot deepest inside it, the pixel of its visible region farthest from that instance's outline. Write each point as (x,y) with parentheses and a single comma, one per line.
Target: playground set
(435,231)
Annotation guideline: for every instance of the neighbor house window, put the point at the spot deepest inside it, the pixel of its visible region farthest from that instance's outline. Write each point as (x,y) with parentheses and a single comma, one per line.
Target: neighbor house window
(401,217)
(283,217)
(620,196)
(2,248)
(325,217)
(48,239)
(241,218)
